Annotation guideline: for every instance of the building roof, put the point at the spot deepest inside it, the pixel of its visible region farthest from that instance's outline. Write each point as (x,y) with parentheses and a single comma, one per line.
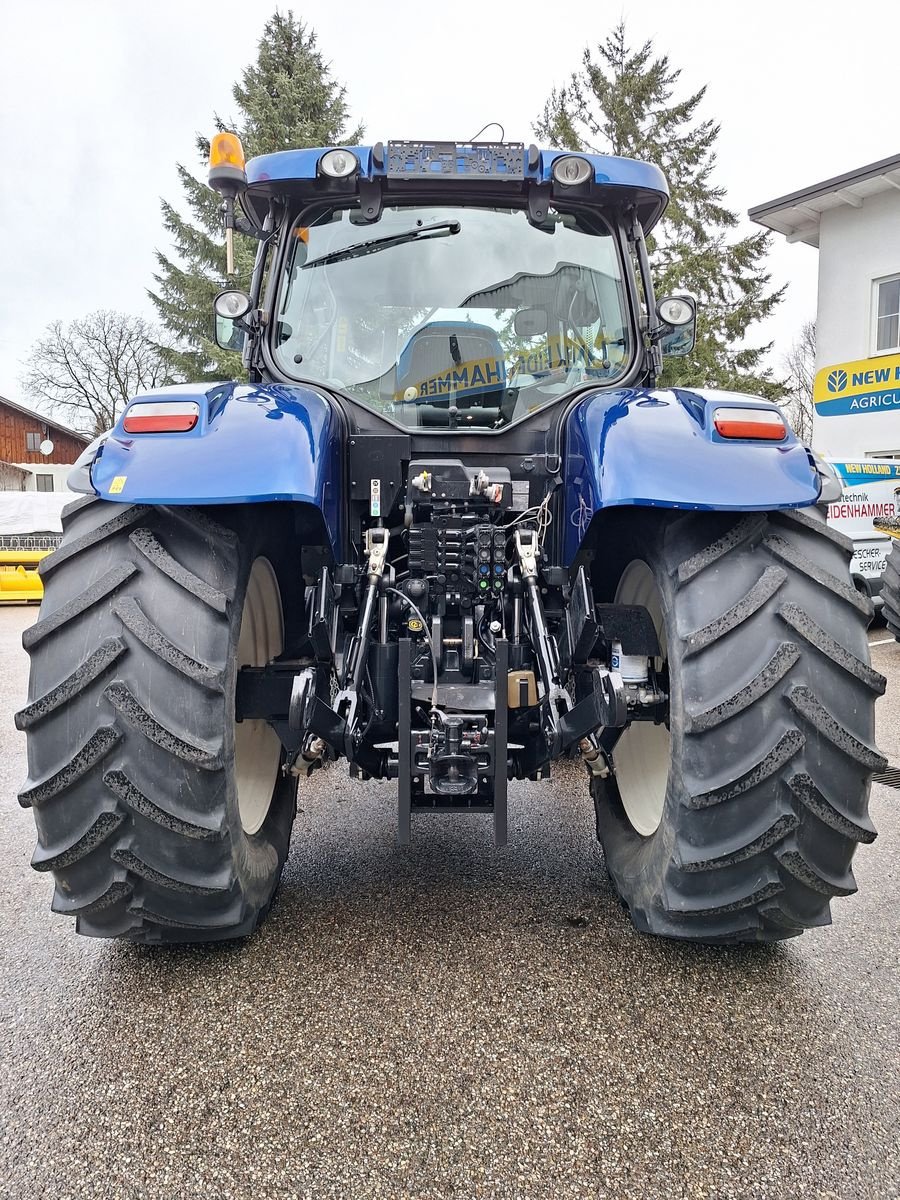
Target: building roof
(44,419)
(797,215)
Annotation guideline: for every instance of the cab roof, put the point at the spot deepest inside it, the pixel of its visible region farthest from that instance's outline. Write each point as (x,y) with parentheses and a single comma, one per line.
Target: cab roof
(502,168)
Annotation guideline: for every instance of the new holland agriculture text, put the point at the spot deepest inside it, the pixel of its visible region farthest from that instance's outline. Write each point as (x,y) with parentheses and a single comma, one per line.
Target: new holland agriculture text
(867,385)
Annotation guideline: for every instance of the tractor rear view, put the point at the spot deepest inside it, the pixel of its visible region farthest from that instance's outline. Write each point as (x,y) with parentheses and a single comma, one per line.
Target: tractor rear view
(451,532)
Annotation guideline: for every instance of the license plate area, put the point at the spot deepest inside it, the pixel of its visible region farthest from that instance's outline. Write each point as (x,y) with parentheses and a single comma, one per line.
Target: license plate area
(442,160)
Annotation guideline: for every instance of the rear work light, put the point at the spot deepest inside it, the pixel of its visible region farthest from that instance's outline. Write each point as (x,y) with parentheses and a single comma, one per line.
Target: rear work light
(338,164)
(757,423)
(173,416)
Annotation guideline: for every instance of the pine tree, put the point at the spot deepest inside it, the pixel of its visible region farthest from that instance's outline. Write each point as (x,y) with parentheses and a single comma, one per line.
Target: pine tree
(623,102)
(287,99)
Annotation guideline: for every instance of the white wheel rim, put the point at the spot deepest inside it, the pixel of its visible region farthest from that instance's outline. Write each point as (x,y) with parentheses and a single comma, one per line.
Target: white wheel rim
(257,747)
(643,752)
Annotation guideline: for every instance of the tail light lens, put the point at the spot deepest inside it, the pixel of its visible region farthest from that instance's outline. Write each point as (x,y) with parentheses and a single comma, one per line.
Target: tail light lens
(172,416)
(760,424)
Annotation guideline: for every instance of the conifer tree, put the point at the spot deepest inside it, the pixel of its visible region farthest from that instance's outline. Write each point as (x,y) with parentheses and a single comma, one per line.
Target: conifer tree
(623,102)
(287,99)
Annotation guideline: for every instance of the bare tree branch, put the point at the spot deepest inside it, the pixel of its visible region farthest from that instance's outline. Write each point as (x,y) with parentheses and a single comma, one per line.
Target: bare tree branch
(800,364)
(87,372)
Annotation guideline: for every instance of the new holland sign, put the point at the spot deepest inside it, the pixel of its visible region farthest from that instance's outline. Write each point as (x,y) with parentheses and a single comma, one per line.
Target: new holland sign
(869,385)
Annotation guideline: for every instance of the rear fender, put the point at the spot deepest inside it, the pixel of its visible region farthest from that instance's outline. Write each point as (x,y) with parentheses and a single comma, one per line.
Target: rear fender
(660,448)
(251,444)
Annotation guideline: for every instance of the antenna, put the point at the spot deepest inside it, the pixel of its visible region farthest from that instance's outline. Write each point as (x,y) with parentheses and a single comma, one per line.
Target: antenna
(489,124)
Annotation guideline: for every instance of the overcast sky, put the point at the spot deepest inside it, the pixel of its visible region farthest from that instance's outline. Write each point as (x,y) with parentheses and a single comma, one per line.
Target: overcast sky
(100,98)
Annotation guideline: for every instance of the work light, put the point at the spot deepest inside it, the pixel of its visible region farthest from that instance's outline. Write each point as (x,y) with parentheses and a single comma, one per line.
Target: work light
(675,311)
(232,304)
(338,164)
(571,170)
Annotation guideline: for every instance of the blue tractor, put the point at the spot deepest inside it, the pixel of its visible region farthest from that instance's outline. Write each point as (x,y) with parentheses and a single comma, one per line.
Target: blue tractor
(450,531)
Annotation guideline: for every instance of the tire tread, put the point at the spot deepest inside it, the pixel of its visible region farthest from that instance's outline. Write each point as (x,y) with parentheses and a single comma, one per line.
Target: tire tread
(139,825)
(770,801)
(891,591)
(153,550)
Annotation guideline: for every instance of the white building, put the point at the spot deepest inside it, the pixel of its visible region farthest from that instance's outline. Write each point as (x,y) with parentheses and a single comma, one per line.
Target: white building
(854,221)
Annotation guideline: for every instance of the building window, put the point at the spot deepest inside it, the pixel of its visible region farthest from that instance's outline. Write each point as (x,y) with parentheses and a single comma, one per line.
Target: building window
(887,314)
(32,441)
(43,483)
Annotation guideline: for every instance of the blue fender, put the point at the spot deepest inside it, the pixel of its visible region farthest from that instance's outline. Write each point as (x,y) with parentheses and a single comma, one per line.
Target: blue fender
(251,444)
(660,448)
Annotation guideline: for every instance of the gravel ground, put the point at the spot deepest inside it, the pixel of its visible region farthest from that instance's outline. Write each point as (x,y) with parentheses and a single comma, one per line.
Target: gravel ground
(447,1021)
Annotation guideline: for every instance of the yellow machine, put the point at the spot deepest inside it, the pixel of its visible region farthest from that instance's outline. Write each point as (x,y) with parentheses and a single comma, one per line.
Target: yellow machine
(19,579)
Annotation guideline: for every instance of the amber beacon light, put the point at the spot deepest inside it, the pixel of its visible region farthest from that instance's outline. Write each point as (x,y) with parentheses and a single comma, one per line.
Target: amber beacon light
(226,160)
(227,176)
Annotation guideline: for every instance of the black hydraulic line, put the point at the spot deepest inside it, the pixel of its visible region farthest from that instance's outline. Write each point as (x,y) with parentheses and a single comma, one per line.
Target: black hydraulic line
(428,638)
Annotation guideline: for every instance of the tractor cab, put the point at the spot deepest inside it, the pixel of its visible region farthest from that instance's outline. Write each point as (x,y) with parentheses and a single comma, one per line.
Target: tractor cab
(450,287)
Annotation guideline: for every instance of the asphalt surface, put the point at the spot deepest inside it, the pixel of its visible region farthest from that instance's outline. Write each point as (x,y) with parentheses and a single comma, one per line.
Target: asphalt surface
(447,1021)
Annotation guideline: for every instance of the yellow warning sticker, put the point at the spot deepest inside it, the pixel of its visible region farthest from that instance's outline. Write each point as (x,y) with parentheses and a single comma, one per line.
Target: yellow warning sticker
(117,485)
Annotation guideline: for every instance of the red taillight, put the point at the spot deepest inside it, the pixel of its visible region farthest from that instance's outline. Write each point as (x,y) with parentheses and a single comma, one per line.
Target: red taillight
(176,416)
(757,423)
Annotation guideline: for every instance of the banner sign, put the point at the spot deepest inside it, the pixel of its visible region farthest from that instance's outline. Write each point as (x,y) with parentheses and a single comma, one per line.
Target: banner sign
(865,386)
(853,474)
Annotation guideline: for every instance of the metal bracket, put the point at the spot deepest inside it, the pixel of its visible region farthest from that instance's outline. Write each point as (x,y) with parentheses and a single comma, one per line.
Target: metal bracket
(557,700)
(526,551)
(501,739)
(376,543)
(264,693)
(347,700)
(404,749)
(538,203)
(370,199)
(604,708)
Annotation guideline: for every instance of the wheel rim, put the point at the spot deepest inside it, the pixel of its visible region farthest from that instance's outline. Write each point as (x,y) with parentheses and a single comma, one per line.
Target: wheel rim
(257,748)
(643,753)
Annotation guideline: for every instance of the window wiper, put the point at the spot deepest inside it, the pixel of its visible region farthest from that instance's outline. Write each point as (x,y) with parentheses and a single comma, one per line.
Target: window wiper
(441,229)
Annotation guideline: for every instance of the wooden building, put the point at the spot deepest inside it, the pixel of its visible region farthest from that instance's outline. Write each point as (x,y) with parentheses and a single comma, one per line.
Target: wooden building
(22,433)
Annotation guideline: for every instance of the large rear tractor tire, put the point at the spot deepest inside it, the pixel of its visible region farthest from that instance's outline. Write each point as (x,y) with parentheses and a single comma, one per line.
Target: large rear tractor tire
(890,591)
(738,819)
(160,818)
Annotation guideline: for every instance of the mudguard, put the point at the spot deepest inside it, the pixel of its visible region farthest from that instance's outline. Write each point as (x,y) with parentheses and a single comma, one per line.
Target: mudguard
(634,446)
(251,444)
